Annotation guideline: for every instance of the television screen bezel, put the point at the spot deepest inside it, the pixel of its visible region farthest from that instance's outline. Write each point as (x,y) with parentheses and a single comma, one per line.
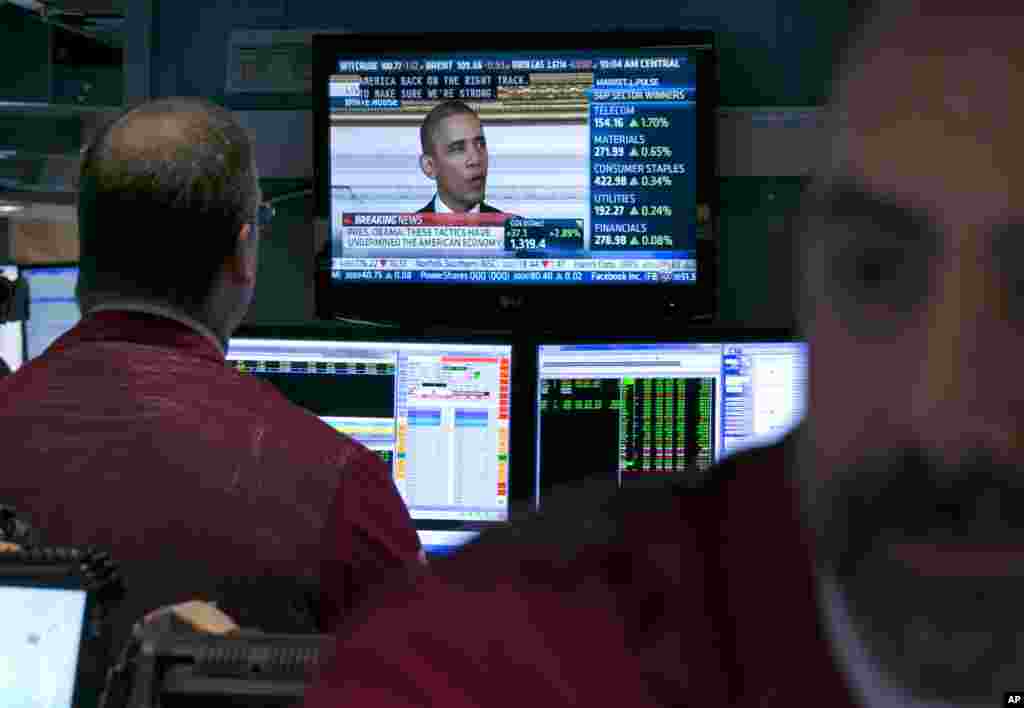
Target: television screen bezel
(509,307)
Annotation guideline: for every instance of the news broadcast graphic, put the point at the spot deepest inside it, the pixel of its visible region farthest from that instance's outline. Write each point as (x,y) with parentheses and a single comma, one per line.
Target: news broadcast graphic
(582,166)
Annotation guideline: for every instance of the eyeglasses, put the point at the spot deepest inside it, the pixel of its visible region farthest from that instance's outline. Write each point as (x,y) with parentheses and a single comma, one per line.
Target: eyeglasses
(264,214)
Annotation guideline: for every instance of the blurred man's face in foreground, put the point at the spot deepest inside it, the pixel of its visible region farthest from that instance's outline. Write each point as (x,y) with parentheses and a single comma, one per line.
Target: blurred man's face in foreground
(913,464)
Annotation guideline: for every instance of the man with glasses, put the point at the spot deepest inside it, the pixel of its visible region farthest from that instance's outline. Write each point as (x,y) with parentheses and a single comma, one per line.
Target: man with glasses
(132,434)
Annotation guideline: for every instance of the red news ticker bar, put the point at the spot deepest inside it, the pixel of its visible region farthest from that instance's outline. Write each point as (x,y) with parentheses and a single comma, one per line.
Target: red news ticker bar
(488,219)
(428,219)
(470,359)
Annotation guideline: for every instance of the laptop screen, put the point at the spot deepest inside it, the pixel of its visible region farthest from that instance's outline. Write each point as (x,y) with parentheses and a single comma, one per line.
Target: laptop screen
(39,645)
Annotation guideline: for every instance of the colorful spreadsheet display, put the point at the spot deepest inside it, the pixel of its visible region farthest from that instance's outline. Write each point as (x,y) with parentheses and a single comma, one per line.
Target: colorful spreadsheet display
(647,412)
(437,414)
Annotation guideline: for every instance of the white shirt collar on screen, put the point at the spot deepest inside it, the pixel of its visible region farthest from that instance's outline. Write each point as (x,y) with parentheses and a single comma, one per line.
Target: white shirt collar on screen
(441,208)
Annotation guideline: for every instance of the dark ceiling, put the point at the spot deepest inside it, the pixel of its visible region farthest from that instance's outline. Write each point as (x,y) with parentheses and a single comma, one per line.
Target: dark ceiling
(88,7)
(101,21)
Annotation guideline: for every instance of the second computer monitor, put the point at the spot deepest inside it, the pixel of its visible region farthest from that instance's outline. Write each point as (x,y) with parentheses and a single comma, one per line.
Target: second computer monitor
(632,413)
(436,412)
(41,645)
(11,341)
(52,306)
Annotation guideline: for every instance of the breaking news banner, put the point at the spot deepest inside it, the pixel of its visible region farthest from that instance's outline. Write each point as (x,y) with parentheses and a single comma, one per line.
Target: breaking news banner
(487,234)
(1013,698)
(455,232)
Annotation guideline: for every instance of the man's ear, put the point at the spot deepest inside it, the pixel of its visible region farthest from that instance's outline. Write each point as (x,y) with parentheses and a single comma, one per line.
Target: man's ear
(427,165)
(243,262)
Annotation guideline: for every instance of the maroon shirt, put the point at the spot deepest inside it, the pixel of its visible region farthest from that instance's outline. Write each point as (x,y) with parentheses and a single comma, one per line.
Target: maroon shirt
(681,597)
(131,433)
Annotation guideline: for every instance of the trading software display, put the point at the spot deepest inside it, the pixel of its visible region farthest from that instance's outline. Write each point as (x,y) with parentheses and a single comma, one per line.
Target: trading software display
(11,340)
(39,645)
(52,307)
(665,410)
(438,414)
(591,168)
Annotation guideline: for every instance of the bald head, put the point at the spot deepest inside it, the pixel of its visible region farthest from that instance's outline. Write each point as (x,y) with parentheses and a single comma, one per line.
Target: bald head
(914,311)
(164,191)
(179,134)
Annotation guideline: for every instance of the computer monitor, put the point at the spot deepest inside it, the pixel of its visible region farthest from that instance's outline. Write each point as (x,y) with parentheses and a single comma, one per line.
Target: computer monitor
(52,306)
(437,412)
(592,184)
(12,347)
(639,412)
(44,627)
(443,542)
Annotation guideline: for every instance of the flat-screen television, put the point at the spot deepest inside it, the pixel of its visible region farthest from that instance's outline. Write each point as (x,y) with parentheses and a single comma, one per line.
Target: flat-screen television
(487,179)
(639,412)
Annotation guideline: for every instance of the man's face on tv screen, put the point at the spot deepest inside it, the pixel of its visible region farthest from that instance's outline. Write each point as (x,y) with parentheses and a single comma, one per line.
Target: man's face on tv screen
(458,161)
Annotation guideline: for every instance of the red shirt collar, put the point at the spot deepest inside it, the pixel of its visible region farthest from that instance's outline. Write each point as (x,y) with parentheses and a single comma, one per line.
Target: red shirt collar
(139,328)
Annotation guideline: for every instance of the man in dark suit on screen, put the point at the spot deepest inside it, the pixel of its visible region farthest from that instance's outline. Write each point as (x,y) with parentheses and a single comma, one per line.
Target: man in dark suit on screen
(455,156)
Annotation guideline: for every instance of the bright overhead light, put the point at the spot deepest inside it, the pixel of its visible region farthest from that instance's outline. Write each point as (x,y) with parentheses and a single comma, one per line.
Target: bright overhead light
(10,208)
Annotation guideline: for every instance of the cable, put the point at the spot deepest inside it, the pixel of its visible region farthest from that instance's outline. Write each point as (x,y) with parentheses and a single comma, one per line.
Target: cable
(290,195)
(365,323)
